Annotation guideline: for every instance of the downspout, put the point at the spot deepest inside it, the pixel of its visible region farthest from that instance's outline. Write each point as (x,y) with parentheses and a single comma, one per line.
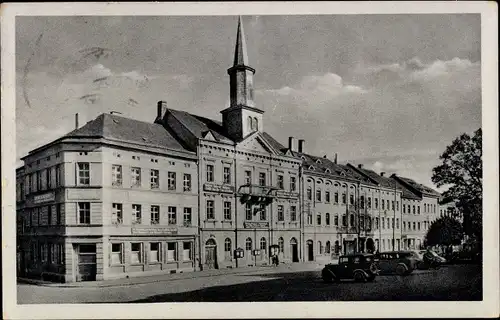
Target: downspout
(379,220)
(271,212)
(235,207)
(200,188)
(301,208)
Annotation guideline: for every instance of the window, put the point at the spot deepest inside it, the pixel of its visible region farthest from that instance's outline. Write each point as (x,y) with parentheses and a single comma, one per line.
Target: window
(248,244)
(227,246)
(227,210)
(155,179)
(171,182)
(376,203)
(414,226)
(248,177)
(172,215)
(38,181)
(281,216)
(344,198)
(248,211)
(336,220)
(263,243)
(383,223)
(210,173)
(263,212)
(318,195)
(369,202)
(48,177)
(320,247)
(327,219)
(309,218)
(404,208)
(155,214)
(154,252)
(227,175)
(281,245)
(117,213)
(116,253)
(293,184)
(84,212)
(58,176)
(135,174)
(362,201)
(309,193)
(116,175)
(351,199)
(392,223)
(351,220)
(281,183)
(418,209)
(404,225)
(49,215)
(136,214)
(414,209)
(171,251)
(83,173)
(256,124)
(58,213)
(262,179)
(293,213)
(136,253)
(344,220)
(418,226)
(186,251)
(318,219)
(376,223)
(393,207)
(187,217)
(383,204)
(327,247)
(187,182)
(44,252)
(397,223)
(397,205)
(250,123)
(327,196)
(336,197)
(30,183)
(210,210)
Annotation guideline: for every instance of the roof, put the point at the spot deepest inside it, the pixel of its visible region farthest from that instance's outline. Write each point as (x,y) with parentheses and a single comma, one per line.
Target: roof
(418,187)
(240,50)
(407,193)
(382,181)
(128,130)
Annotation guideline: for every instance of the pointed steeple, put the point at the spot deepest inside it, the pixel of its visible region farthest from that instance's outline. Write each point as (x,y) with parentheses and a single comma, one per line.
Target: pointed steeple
(240,50)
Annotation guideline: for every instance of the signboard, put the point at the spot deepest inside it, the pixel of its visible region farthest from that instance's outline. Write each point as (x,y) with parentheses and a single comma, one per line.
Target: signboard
(274,249)
(46,197)
(154,231)
(256,252)
(256,225)
(286,194)
(239,253)
(218,188)
(349,237)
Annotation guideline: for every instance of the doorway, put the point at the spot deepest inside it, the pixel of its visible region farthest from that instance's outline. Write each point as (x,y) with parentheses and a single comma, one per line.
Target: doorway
(87,262)
(310,250)
(211,254)
(295,250)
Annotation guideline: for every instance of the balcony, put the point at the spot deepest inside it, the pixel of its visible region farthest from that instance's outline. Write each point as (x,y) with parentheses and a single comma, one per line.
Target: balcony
(255,194)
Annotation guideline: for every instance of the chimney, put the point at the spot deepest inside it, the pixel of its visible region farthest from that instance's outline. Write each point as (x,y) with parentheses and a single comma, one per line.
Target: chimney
(382,174)
(360,166)
(161,109)
(335,160)
(76,121)
(301,145)
(290,143)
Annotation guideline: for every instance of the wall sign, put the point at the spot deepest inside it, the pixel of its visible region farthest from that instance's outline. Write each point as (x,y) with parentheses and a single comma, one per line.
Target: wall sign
(46,197)
(256,225)
(154,231)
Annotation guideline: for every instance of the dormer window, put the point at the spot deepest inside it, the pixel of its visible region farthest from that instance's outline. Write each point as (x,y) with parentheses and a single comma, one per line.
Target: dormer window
(311,168)
(318,161)
(342,174)
(328,170)
(303,158)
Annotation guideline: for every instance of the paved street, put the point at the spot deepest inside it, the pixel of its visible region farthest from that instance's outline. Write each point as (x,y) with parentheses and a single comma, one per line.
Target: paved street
(457,282)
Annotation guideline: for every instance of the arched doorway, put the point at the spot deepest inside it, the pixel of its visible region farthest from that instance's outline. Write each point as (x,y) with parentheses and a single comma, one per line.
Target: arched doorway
(310,250)
(370,245)
(211,254)
(294,250)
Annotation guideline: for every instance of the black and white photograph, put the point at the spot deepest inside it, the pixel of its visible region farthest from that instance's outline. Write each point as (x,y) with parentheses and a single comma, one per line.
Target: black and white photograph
(184,153)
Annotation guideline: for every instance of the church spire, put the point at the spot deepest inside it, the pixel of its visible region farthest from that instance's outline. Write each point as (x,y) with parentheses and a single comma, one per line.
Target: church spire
(240,51)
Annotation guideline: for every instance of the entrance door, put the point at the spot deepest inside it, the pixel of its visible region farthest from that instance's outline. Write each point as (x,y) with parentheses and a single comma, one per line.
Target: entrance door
(295,250)
(211,254)
(310,252)
(87,262)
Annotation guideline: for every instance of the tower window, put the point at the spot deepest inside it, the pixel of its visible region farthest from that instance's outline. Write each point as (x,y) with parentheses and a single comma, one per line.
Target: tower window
(255,124)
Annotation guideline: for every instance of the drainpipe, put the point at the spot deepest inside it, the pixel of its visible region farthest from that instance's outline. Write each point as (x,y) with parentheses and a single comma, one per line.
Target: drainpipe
(200,191)
(235,206)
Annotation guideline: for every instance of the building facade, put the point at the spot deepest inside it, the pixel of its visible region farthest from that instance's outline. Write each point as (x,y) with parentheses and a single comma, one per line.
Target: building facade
(120,198)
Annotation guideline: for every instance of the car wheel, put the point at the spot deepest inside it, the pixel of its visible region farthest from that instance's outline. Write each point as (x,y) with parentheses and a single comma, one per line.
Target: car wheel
(371,278)
(359,276)
(327,276)
(401,270)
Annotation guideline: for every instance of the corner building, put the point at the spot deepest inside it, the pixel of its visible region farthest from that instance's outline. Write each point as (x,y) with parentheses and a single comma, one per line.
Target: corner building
(120,198)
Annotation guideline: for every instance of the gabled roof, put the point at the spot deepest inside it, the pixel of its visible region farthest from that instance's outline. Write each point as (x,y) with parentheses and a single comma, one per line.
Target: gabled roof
(407,193)
(382,181)
(416,187)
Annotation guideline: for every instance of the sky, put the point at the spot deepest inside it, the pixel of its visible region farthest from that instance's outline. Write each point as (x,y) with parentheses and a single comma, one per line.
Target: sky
(388,91)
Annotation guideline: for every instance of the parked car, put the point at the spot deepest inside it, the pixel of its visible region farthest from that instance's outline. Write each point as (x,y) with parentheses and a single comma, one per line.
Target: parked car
(399,262)
(430,259)
(360,267)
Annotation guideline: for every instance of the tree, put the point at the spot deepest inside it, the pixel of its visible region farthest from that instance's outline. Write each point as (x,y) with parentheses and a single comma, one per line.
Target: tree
(462,171)
(445,231)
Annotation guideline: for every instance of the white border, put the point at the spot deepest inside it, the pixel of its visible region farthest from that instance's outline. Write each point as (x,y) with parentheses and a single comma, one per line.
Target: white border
(489,307)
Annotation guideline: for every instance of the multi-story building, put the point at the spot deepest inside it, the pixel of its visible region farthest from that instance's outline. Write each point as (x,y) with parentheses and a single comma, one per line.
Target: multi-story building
(420,209)
(119,197)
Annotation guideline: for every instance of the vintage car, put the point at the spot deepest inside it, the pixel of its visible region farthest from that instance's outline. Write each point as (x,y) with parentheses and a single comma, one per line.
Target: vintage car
(360,267)
(399,262)
(430,260)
